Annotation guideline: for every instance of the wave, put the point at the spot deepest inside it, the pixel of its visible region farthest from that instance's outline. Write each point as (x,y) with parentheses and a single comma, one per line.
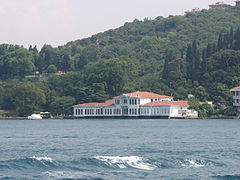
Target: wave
(7,178)
(42,158)
(126,161)
(30,162)
(188,163)
(227,177)
(63,175)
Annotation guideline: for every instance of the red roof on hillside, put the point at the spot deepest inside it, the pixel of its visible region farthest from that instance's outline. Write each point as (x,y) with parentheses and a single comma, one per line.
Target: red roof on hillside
(167,103)
(144,94)
(236,88)
(106,103)
(218,3)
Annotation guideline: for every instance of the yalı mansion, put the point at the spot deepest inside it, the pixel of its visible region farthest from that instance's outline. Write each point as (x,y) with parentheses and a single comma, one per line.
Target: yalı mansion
(236,98)
(138,104)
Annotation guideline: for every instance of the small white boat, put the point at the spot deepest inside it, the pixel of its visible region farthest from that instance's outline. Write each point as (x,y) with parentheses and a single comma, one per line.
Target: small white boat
(35,116)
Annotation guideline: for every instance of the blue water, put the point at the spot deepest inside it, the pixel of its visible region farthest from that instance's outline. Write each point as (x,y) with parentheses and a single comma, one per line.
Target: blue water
(120,149)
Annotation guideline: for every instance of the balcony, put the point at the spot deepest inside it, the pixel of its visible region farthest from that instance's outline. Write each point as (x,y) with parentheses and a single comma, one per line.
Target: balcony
(236,97)
(236,104)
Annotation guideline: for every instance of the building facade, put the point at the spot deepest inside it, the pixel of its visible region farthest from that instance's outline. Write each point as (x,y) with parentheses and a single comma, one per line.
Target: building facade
(218,5)
(237,3)
(138,104)
(236,98)
(195,10)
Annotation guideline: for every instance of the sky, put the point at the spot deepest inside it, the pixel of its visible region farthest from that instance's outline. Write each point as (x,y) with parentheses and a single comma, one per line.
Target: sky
(56,22)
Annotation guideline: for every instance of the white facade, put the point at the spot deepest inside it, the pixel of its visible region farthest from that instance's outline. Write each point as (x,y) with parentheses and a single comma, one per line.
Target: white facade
(136,104)
(237,3)
(219,5)
(236,98)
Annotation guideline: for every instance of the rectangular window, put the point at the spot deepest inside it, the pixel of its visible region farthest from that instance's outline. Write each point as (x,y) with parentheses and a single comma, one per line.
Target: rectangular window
(167,111)
(117,101)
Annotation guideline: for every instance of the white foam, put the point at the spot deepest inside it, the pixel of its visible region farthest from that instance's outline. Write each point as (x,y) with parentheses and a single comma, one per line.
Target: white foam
(191,163)
(60,174)
(42,158)
(69,174)
(126,161)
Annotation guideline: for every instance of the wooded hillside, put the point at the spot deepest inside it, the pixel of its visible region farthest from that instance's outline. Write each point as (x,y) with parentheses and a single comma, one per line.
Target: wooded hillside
(198,53)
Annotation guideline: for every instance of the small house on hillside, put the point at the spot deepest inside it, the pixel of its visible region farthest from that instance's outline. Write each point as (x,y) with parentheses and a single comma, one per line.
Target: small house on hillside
(236,98)
(218,5)
(237,3)
(195,10)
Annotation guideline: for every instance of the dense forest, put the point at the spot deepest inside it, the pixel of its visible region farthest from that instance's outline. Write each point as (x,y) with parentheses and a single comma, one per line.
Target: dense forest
(197,53)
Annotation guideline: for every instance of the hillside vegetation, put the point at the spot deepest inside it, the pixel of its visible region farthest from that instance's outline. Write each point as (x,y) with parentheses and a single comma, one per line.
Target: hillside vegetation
(198,53)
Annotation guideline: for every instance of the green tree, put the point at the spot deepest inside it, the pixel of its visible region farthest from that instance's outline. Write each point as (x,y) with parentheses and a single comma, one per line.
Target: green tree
(47,56)
(24,98)
(52,69)
(17,62)
(62,105)
(204,110)
(112,72)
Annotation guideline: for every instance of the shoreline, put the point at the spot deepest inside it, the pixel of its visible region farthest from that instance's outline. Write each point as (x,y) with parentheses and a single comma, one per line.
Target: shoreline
(115,118)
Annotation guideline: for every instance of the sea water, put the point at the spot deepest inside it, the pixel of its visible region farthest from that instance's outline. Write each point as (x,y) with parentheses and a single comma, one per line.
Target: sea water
(98,149)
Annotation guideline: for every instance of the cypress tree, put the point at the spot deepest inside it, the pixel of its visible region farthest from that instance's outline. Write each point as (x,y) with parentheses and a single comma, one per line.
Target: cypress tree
(209,50)
(30,48)
(237,40)
(231,34)
(193,61)
(189,59)
(220,42)
(205,54)
(35,49)
(168,58)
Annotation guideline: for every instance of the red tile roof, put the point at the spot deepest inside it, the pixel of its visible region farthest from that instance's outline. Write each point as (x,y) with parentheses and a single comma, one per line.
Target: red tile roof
(236,88)
(218,3)
(167,103)
(144,94)
(106,103)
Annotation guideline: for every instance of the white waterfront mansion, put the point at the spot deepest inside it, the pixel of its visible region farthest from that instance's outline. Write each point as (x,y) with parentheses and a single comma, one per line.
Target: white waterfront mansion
(236,98)
(138,104)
